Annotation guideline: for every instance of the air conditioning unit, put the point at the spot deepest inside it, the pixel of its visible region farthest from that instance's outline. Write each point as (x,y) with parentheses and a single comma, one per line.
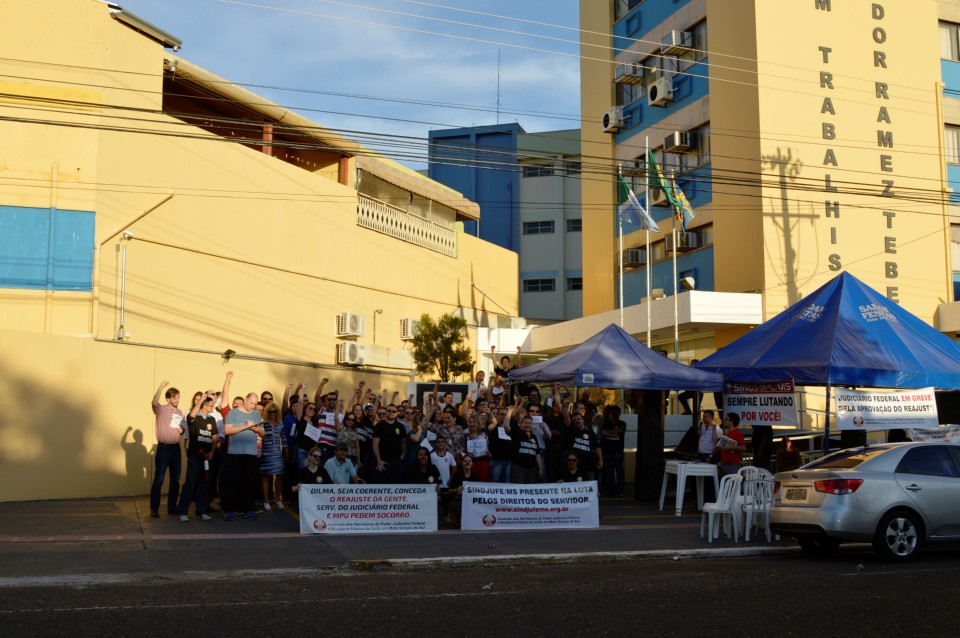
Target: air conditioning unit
(350,354)
(660,92)
(686,242)
(658,197)
(408,328)
(634,257)
(680,141)
(635,167)
(629,74)
(349,324)
(676,43)
(613,120)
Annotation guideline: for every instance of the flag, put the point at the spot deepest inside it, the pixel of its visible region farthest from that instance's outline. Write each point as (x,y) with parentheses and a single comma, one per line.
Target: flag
(631,210)
(656,180)
(681,206)
(684,210)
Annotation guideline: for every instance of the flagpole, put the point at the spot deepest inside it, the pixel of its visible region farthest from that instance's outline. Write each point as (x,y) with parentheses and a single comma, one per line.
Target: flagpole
(647,259)
(676,283)
(620,234)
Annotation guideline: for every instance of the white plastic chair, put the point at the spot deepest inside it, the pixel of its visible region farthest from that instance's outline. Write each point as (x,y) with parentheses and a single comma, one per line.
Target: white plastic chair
(748,472)
(756,507)
(725,510)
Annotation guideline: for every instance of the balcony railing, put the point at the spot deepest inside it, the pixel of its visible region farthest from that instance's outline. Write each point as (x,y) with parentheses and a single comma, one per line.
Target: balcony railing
(393,221)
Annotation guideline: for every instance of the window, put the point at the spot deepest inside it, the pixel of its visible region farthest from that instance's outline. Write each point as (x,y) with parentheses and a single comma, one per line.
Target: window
(537,170)
(574,283)
(539,285)
(574,225)
(703,145)
(629,93)
(930,461)
(623,7)
(537,228)
(948,41)
(951,144)
(573,168)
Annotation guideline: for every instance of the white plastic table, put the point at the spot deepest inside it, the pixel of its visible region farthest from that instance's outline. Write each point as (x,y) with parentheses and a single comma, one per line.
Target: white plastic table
(682,469)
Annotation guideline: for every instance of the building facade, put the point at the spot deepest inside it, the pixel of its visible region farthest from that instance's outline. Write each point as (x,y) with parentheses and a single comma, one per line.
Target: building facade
(810,136)
(528,188)
(158,222)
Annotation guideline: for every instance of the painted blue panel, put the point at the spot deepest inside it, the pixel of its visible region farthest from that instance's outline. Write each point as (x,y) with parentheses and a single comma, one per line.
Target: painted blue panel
(635,281)
(539,274)
(27,258)
(687,89)
(646,15)
(953,181)
(950,75)
(573,273)
(457,160)
(956,286)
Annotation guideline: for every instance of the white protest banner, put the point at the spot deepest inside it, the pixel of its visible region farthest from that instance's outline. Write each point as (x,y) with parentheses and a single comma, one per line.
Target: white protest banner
(946,434)
(772,403)
(538,506)
(367,509)
(906,409)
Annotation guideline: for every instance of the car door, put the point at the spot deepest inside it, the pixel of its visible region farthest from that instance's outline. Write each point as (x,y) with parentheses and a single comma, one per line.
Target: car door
(929,475)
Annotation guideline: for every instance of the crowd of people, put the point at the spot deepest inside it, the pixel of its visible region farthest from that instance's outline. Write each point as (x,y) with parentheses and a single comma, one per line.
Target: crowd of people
(251,451)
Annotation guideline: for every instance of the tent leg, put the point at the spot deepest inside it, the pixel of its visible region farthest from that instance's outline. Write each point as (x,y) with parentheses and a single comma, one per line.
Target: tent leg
(826,428)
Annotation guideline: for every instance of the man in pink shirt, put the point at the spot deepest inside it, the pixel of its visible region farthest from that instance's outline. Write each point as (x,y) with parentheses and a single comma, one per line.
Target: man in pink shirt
(169,429)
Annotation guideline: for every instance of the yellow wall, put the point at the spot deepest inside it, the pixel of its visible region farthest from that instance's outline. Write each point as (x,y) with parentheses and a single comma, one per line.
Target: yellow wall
(597,95)
(249,254)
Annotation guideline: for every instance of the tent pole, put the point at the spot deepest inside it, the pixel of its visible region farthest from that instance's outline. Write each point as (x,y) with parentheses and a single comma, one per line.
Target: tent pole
(826,429)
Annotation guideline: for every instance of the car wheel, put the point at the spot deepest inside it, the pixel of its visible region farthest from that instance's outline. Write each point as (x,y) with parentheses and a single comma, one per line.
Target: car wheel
(898,536)
(819,546)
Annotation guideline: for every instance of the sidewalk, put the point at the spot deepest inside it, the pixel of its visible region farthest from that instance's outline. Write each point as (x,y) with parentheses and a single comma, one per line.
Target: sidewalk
(115,540)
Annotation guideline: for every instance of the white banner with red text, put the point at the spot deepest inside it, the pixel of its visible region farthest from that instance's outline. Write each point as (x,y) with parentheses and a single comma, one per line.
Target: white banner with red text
(367,509)
(906,409)
(492,506)
(771,403)
(944,434)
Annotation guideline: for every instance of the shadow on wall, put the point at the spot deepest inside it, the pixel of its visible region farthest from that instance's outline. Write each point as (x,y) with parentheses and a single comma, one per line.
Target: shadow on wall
(139,462)
(45,449)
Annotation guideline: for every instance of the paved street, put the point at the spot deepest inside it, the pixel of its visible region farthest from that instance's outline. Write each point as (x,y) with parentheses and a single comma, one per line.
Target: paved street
(851,593)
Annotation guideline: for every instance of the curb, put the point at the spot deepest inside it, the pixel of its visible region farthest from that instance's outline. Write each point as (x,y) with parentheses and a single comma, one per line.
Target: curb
(528,560)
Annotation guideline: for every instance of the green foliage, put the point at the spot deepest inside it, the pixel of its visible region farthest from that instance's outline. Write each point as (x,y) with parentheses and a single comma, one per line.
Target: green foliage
(440,350)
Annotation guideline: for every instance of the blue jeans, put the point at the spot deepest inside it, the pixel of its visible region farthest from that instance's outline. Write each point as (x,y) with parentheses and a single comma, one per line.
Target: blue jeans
(499,471)
(168,457)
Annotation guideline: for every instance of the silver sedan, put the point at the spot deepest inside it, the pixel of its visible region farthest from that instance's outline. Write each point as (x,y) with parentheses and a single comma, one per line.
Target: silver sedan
(897,496)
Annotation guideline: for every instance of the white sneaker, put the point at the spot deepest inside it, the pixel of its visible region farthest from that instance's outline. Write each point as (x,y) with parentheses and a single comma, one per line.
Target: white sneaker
(204,517)
(184,519)
(279,505)
(266,507)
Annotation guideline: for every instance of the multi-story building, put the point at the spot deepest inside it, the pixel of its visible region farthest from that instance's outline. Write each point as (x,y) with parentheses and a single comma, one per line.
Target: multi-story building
(810,136)
(158,222)
(528,189)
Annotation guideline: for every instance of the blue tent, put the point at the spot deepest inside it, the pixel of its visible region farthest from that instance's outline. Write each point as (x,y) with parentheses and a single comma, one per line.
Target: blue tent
(614,359)
(845,333)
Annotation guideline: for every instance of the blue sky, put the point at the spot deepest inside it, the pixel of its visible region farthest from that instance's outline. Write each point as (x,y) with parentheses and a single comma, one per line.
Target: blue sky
(304,46)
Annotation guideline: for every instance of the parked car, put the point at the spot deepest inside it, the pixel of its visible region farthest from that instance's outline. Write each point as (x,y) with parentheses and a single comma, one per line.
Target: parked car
(897,496)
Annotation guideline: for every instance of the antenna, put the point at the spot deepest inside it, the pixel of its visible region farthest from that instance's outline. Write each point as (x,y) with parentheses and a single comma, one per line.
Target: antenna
(498,85)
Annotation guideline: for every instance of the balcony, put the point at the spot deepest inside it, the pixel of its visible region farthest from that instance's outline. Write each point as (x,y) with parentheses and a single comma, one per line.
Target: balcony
(396,222)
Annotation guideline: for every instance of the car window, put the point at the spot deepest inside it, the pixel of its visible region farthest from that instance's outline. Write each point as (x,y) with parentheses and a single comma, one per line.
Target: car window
(846,459)
(930,461)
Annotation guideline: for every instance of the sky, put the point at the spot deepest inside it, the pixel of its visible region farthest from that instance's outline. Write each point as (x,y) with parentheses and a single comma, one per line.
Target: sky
(393,81)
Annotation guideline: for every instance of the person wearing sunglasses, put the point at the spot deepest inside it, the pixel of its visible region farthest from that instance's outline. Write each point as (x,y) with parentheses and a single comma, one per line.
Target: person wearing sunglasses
(312,473)
(305,433)
(572,472)
(271,460)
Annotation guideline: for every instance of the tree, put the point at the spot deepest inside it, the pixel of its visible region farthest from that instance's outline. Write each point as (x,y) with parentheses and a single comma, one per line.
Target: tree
(440,348)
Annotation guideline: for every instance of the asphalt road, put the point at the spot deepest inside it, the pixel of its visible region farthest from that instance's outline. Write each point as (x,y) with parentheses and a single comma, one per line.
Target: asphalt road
(851,593)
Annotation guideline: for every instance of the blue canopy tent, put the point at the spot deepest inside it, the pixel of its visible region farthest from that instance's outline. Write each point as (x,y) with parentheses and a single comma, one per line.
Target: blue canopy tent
(614,359)
(846,334)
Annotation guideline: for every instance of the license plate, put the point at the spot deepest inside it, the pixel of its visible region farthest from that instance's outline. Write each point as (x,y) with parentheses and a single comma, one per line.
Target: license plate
(795,494)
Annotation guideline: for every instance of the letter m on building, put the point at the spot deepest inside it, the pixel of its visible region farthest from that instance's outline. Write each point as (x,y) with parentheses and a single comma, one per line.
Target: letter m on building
(823,5)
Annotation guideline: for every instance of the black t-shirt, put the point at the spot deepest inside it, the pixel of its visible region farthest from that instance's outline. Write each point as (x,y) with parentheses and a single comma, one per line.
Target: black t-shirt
(459,479)
(557,428)
(612,442)
(391,440)
(201,430)
(500,448)
(526,448)
(307,477)
(304,442)
(365,435)
(582,443)
(418,477)
(567,476)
